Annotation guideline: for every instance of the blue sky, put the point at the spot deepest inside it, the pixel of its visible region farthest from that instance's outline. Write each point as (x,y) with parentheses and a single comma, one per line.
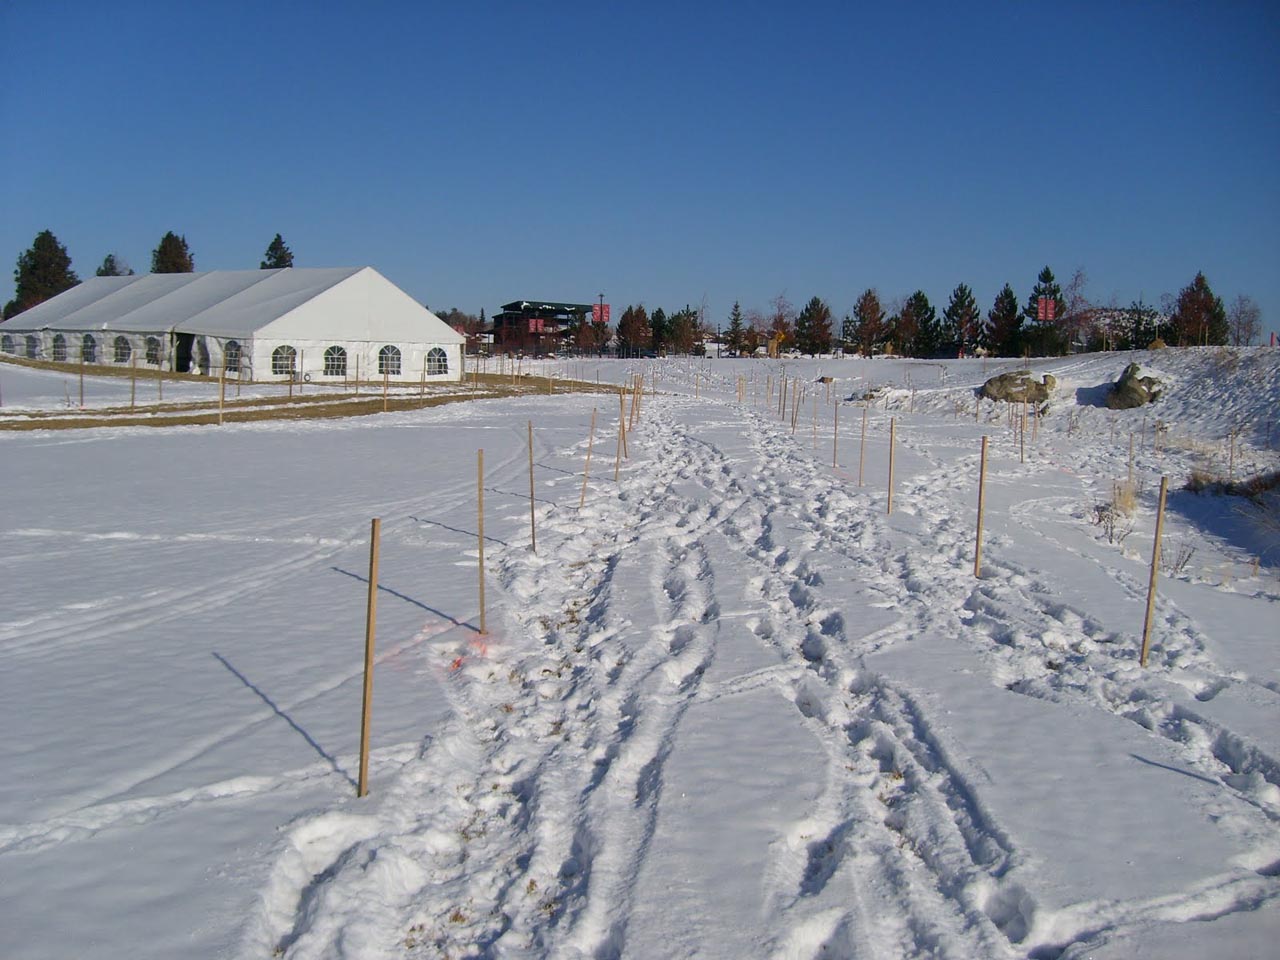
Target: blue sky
(477,153)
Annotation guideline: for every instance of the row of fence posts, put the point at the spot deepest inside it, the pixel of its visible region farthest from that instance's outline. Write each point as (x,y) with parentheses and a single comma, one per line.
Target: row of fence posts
(636,391)
(1018,420)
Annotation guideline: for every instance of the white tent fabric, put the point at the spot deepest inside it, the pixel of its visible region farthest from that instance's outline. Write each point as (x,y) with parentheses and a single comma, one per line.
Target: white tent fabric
(241,319)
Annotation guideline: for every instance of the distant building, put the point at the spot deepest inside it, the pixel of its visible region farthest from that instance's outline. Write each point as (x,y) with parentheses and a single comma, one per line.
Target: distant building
(537,326)
(313,324)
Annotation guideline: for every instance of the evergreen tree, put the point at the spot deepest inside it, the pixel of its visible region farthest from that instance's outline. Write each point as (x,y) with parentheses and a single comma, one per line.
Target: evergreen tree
(278,255)
(172,256)
(928,337)
(1198,316)
(660,331)
(1045,338)
(1139,327)
(684,330)
(634,333)
(1004,325)
(43,271)
(113,266)
(963,321)
(736,335)
(813,328)
(870,328)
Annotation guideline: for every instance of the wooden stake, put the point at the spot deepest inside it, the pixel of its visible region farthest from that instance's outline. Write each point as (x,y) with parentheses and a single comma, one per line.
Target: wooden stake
(422,384)
(222,392)
(622,435)
(586,472)
(1130,456)
(893,426)
(982,503)
(1155,568)
(480,524)
(533,533)
(82,377)
(622,424)
(133,382)
(835,436)
(386,377)
(370,623)
(862,448)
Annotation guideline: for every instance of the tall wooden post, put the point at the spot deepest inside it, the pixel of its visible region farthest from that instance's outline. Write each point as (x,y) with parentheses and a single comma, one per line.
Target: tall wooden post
(893,426)
(370,621)
(533,533)
(1155,568)
(82,377)
(480,525)
(586,472)
(862,448)
(422,384)
(133,382)
(222,392)
(982,503)
(835,435)
(622,424)
(386,380)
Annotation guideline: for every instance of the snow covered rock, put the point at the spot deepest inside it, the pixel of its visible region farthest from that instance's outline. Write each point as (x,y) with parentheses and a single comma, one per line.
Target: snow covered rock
(1132,390)
(1019,386)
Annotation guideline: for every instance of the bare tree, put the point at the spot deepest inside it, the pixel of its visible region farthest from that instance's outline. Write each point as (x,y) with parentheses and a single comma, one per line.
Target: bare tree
(1079,312)
(782,319)
(1244,320)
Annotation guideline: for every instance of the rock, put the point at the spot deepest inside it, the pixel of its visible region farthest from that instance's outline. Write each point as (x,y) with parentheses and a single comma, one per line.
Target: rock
(1019,387)
(1132,390)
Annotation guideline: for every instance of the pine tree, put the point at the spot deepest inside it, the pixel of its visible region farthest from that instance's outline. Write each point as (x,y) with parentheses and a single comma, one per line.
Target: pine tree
(736,335)
(1045,338)
(278,255)
(172,256)
(869,327)
(113,266)
(683,330)
(660,331)
(43,271)
(1004,325)
(1139,327)
(928,338)
(1198,316)
(813,328)
(963,321)
(634,333)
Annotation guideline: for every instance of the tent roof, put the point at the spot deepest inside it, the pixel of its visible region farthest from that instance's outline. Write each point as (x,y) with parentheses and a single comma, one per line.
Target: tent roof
(236,303)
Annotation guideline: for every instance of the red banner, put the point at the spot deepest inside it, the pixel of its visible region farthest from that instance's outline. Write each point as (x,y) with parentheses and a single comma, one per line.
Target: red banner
(1046,307)
(599,313)
(537,325)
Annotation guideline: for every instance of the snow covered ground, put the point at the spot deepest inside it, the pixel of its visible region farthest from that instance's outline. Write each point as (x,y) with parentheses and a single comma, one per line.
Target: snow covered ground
(731,707)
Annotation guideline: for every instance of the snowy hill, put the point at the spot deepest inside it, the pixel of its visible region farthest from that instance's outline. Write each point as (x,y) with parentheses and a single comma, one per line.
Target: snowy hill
(731,707)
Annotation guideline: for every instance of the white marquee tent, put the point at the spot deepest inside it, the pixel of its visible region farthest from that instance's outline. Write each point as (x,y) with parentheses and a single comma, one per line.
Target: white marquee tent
(316,324)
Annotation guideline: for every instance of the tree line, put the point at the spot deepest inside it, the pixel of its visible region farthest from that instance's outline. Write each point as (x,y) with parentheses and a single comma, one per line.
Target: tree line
(44,269)
(909,327)
(1068,322)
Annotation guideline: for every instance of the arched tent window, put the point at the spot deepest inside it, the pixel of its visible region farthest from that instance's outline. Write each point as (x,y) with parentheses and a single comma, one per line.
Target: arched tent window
(389,361)
(122,350)
(33,346)
(89,349)
(437,362)
(59,347)
(231,356)
(283,360)
(6,344)
(153,351)
(335,362)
